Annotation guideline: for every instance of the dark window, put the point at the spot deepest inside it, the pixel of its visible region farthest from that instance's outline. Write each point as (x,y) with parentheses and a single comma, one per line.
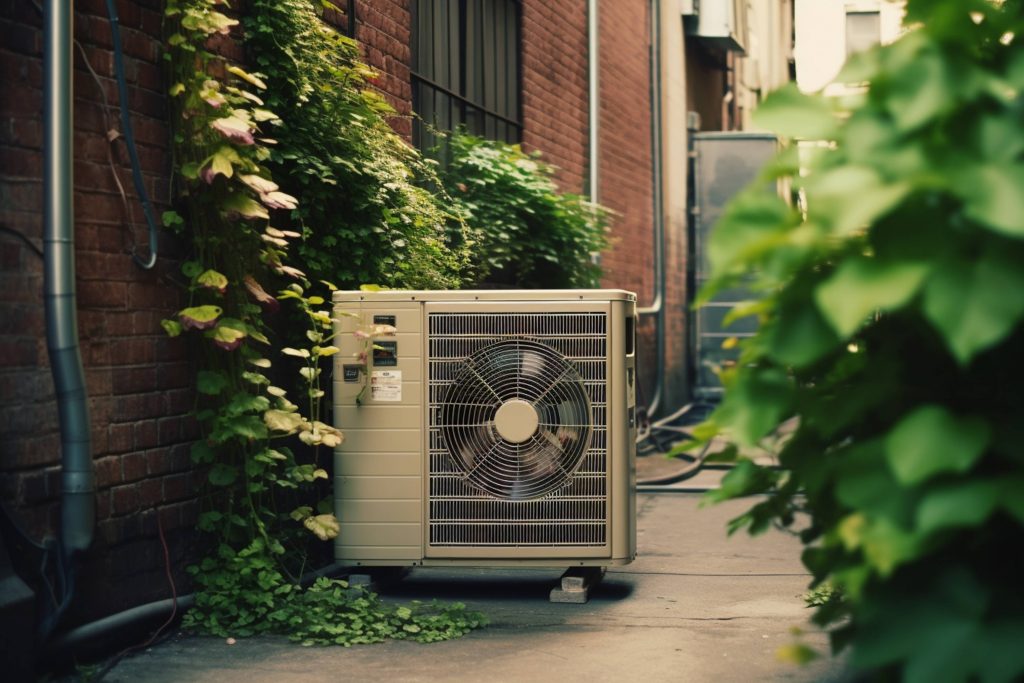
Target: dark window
(465,68)
(862,31)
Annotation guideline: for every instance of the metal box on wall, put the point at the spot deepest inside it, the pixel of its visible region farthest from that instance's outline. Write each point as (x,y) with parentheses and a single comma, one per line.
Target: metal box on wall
(724,164)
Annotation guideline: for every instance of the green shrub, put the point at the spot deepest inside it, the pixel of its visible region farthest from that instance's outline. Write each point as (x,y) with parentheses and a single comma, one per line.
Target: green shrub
(527,233)
(891,326)
(364,210)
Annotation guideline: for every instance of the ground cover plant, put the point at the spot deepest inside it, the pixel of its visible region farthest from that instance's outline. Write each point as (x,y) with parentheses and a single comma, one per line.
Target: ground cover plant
(261,451)
(891,328)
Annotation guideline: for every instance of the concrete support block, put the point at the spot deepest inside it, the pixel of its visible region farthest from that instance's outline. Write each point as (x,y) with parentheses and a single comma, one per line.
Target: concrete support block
(576,584)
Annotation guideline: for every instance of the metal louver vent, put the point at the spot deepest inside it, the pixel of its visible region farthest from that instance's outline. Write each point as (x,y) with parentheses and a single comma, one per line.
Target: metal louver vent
(518,452)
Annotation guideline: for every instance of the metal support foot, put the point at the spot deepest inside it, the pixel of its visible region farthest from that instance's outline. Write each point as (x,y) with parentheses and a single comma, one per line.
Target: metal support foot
(374,579)
(576,584)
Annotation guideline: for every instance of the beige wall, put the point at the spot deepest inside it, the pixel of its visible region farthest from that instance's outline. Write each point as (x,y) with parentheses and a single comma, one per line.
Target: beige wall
(820,49)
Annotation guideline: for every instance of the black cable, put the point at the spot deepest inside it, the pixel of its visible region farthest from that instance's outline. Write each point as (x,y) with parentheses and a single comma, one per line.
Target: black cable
(129,139)
(24,238)
(129,135)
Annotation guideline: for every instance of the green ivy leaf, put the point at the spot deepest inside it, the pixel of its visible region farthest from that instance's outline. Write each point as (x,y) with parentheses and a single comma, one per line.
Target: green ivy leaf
(246,207)
(211,279)
(991,195)
(964,504)
(800,335)
(281,421)
(324,527)
(791,113)
(931,440)
(199,317)
(211,382)
(171,219)
(191,269)
(172,327)
(969,302)
(755,404)
(862,286)
(248,77)
(221,163)
(223,475)
(226,337)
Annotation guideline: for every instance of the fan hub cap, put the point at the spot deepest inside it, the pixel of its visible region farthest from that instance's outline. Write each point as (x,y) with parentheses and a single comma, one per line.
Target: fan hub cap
(516,420)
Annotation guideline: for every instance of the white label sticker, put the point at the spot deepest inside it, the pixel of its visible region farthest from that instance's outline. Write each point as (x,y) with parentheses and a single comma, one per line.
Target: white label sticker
(386,385)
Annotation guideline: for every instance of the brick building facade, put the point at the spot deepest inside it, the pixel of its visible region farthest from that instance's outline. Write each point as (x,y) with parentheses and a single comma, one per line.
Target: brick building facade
(138,380)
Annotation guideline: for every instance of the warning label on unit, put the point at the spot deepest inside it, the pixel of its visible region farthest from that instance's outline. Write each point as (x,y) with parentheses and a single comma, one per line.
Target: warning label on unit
(386,385)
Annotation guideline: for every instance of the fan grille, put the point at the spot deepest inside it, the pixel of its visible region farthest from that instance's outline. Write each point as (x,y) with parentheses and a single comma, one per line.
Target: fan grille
(503,483)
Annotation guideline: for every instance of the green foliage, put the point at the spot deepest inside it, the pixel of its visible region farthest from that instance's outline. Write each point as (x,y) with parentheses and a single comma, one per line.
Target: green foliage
(244,594)
(527,233)
(226,200)
(365,215)
(892,328)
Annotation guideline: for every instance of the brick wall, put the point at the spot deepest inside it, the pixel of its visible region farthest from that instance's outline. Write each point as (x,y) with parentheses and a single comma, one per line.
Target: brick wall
(383,29)
(137,379)
(554,85)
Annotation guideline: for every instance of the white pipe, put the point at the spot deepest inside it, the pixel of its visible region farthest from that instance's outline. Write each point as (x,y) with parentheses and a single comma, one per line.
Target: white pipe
(593,100)
(657,307)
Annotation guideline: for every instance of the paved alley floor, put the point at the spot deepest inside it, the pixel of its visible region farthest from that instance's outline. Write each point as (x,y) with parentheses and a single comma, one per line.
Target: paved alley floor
(694,606)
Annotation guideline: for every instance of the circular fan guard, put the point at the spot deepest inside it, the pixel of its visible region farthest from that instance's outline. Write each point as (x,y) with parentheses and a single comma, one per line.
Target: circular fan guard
(516,419)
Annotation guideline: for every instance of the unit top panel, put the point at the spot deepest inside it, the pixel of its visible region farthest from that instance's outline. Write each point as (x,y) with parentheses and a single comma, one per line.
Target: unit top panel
(506,295)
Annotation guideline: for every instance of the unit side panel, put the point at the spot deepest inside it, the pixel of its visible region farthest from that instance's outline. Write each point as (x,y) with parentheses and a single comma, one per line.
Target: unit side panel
(378,405)
(622,430)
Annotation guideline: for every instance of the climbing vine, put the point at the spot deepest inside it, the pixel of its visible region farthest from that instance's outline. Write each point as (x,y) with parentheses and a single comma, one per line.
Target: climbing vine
(366,213)
(892,330)
(261,451)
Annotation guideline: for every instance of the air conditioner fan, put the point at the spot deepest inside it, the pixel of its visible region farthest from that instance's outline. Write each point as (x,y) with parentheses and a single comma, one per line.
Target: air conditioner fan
(516,420)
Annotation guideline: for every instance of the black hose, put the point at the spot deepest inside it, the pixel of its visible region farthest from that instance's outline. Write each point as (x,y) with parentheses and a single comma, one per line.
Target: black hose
(129,138)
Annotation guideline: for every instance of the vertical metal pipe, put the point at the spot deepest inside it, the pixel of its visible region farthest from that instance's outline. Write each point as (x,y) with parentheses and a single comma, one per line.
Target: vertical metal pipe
(77,484)
(593,100)
(657,307)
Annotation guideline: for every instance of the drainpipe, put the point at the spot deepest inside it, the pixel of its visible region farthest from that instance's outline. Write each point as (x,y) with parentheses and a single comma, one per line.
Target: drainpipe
(593,99)
(657,307)
(77,484)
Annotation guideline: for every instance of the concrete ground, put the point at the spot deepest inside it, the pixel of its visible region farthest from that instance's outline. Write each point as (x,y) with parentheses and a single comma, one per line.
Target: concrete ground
(694,606)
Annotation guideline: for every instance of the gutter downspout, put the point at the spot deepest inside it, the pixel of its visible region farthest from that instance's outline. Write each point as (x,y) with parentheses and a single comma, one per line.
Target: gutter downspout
(77,479)
(593,99)
(657,307)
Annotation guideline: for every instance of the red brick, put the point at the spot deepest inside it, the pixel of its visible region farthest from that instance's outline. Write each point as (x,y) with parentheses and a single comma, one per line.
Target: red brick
(133,466)
(178,486)
(120,438)
(108,471)
(124,499)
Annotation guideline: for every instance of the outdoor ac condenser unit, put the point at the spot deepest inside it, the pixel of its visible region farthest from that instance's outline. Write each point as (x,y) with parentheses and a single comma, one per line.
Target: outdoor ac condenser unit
(486,428)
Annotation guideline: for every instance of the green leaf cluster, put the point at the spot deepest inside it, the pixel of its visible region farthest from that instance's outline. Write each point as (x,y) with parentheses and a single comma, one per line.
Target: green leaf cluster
(526,232)
(887,371)
(243,595)
(365,215)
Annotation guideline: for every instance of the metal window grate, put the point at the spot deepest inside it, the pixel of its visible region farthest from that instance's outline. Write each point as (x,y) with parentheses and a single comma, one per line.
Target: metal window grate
(465,69)
(575,513)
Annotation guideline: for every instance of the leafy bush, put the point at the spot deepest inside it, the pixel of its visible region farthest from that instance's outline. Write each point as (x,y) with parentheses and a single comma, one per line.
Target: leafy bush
(365,213)
(891,326)
(527,233)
